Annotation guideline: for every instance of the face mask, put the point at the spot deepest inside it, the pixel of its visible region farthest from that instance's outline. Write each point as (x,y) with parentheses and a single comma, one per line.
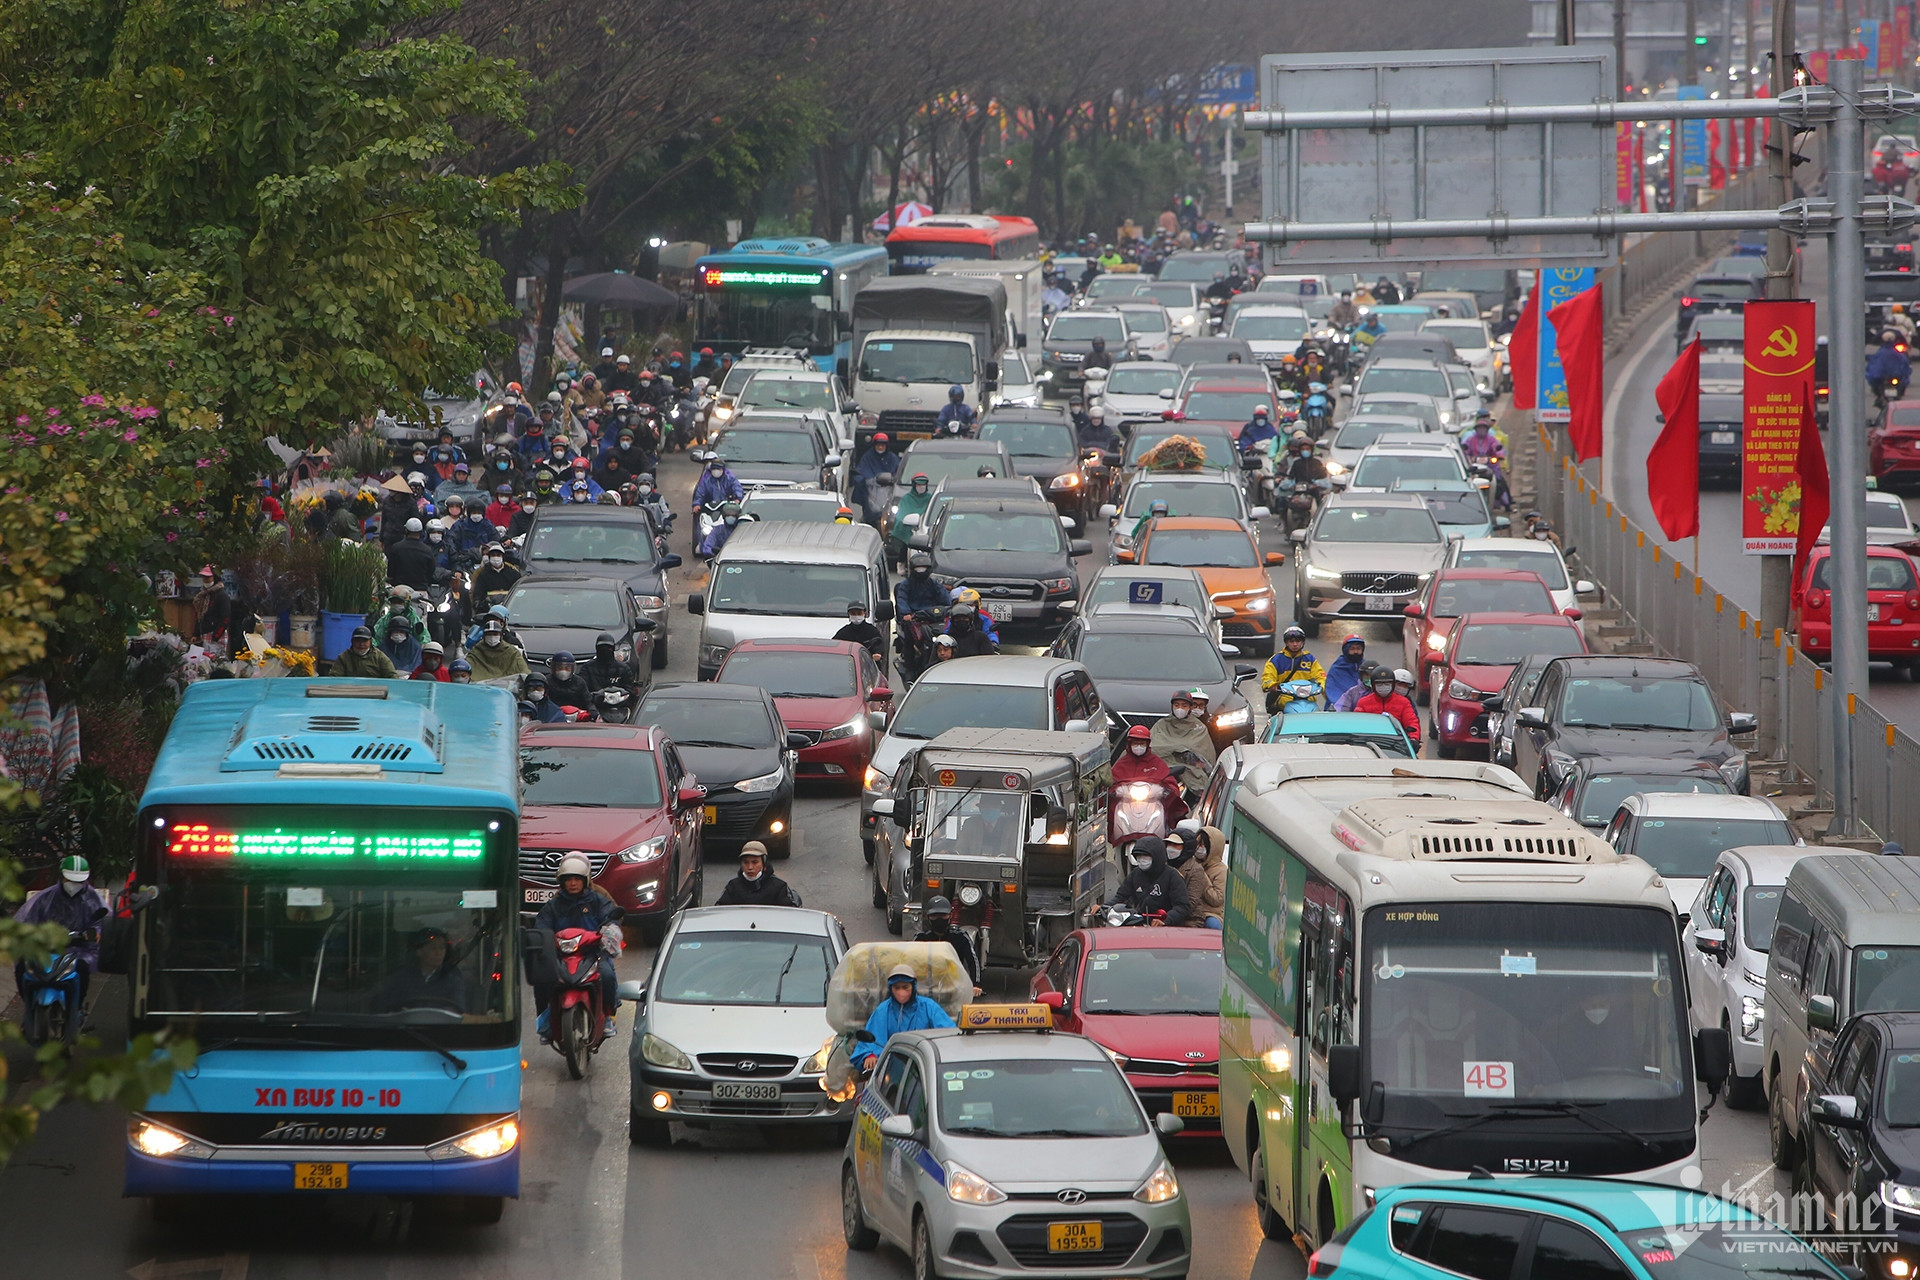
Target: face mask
(536,695)
(462,677)
(501,464)
(1143,863)
(938,924)
(563,672)
(494,638)
(1383,691)
(1181,713)
(1138,749)
(716,472)
(750,879)
(433,537)
(419,457)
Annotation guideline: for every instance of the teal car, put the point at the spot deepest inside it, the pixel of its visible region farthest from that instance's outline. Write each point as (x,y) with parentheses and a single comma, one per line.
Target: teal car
(1344,728)
(1563,1229)
(1459,507)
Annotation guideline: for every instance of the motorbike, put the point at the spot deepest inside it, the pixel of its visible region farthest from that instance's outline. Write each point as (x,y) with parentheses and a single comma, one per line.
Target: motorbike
(1216,314)
(1118,916)
(1316,415)
(1301,695)
(683,419)
(711,531)
(612,705)
(51,989)
(577,1020)
(1886,391)
(913,643)
(1142,809)
(1296,503)
(879,497)
(446,610)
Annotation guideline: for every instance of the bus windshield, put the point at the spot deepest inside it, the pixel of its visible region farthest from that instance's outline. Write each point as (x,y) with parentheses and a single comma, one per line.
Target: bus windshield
(1476,1007)
(767,319)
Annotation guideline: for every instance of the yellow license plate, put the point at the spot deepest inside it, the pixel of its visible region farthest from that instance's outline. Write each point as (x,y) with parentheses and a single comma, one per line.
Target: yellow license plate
(1197,1104)
(713,814)
(1074,1237)
(320,1177)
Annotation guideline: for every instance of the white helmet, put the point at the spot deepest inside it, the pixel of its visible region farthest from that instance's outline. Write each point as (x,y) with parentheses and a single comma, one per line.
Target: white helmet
(574,864)
(1403,676)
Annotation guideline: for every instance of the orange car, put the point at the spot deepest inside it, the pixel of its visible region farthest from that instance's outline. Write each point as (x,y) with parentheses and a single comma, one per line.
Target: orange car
(1229,560)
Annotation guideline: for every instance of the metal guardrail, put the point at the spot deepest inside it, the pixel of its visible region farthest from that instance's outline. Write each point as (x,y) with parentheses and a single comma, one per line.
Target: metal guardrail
(1679,615)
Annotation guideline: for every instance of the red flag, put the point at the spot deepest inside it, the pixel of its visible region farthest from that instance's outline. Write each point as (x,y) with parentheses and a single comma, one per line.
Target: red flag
(1579,334)
(1815,503)
(1673,464)
(1523,351)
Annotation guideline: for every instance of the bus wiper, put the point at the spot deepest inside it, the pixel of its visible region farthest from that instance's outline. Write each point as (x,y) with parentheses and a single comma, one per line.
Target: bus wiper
(1580,1111)
(459,1063)
(275,1042)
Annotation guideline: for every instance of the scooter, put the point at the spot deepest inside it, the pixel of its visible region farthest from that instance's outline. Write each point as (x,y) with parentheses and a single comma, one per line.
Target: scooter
(879,497)
(446,610)
(577,1020)
(711,531)
(1302,694)
(1116,916)
(1295,503)
(913,643)
(1141,809)
(51,989)
(1316,415)
(683,423)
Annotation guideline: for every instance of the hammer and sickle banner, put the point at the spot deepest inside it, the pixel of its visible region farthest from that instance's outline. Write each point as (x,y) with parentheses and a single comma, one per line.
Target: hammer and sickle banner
(1778,406)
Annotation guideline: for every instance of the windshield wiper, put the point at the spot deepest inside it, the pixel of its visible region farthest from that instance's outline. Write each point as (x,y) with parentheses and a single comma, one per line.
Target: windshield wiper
(795,693)
(459,1063)
(1582,1112)
(785,969)
(1513,1110)
(709,742)
(276,1042)
(979,1130)
(1628,724)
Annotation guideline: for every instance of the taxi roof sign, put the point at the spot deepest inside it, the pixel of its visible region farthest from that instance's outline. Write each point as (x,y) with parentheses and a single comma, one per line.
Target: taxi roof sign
(1006,1017)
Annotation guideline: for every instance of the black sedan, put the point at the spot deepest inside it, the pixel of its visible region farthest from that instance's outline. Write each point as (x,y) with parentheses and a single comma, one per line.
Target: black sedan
(731,739)
(1140,659)
(1712,295)
(1044,446)
(615,542)
(1860,1133)
(569,614)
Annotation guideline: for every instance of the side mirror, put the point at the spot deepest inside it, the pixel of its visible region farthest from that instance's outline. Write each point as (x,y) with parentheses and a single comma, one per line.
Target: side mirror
(879,693)
(1415,610)
(1229,651)
(897,1127)
(1584,588)
(1165,393)
(1222,613)
(634,992)
(1712,1056)
(1108,511)
(1343,1073)
(1742,722)
(1502,522)
(1840,1110)
(877,721)
(1822,1014)
(1498,702)
(1711,942)
(798,740)
(1297,537)
(644,624)
(1054,1000)
(919,542)
(1275,557)
(833,460)
(1571,612)
(883,807)
(840,371)
(911,519)
(691,795)
(1124,555)
(1075,726)
(536,956)
(1258,513)
(1110,458)
(1079,547)
(1531,718)
(1166,1124)
(863,1036)
(1244,671)
(697,603)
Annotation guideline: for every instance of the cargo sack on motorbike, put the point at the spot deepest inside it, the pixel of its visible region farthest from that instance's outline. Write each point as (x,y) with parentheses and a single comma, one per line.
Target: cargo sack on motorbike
(859,981)
(1175,453)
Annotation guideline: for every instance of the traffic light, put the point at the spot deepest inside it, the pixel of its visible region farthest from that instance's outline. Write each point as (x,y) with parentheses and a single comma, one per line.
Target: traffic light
(1700,39)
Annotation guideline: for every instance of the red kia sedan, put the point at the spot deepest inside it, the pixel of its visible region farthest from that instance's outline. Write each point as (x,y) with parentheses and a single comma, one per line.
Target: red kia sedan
(618,794)
(1482,651)
(1893,608)
(1453,593)
(1151,999)
(831,691)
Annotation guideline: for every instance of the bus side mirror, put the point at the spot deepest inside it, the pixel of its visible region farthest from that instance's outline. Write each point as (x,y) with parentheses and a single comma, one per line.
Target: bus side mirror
(1343,1073)
(1713,1056)
(883,610)
(536,957)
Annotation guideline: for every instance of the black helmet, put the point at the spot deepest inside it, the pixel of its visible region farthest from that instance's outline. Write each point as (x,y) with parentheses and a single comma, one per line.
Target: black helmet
(601,642)
(362,633)
(920,563)
(536,679)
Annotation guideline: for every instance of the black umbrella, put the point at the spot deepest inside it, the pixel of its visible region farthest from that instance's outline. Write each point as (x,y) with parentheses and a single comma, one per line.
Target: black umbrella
(620,290)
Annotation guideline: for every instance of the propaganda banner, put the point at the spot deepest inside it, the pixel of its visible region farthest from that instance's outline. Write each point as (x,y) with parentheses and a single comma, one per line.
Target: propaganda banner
(1623,163)
(1778,398)
(1883,50)
(1552,404)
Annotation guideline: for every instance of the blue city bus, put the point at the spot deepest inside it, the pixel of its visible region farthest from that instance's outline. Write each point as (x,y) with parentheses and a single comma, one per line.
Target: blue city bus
(334,918)
(783,292)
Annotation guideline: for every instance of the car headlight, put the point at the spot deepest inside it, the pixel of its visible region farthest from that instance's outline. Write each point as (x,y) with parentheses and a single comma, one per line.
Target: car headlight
(1900,1197)
(712,655)
(968,1187)
(1057,586)
(1119,1059)
(851,728)
(1071,480)
(662,1054)
(1316,574)
(1436,641)
(1045,375)
(873,779)
(1233,719)
(651,604)
(948,580)
(645,851)
(1465,692)
(818,1062)
(1753,1012)
(765,782)
(1160,1187)
(482,1144)
(1123,542)
(1336,469)
(1735,772)
(1259,604)
(623,652)
(722,411)
(151,1139)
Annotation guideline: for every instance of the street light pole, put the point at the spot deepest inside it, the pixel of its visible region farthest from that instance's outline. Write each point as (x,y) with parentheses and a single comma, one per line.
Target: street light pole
(1776,572)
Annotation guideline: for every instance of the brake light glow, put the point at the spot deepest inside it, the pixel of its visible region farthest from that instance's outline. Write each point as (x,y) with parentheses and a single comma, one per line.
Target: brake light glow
(1687,302)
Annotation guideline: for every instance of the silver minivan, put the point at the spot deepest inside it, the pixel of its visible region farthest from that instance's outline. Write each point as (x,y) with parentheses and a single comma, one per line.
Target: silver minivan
(1846,941)
(780,579)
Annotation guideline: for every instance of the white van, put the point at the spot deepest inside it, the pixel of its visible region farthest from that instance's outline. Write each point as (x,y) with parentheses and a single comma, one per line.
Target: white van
(782,579)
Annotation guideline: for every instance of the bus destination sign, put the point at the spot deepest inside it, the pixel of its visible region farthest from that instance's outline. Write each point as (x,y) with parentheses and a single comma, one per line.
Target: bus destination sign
(200,841)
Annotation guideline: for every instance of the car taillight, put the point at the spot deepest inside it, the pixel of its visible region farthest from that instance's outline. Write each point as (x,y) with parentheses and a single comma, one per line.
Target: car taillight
(1325,1260)
(1913,599)
(1816,599)
(1687,302)
(1904,248)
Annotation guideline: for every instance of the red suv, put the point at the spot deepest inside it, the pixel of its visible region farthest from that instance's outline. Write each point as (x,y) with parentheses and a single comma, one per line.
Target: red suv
(1451,593)
(825,690)
(1893,447)
(1482,651)
(618,794)
(1893,607)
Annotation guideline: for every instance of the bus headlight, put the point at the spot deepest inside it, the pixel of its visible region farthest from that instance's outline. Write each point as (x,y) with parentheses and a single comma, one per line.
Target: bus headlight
(481,1144)
(151,1139)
